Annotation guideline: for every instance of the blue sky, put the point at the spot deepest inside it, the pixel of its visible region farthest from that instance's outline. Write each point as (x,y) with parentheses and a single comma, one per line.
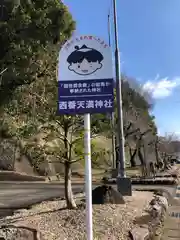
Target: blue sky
(149,41)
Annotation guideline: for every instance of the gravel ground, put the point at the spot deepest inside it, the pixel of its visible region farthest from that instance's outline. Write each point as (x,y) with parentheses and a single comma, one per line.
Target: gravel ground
(111,222)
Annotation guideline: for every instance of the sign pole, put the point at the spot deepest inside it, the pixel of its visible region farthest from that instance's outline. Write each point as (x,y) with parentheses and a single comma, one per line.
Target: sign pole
(88,176)
(85,86)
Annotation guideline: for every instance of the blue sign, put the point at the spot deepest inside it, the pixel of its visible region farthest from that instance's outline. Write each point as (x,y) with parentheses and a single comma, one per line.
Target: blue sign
(85,77)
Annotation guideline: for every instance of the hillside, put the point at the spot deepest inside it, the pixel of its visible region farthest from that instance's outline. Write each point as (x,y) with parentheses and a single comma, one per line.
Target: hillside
(24,164)
(33,139)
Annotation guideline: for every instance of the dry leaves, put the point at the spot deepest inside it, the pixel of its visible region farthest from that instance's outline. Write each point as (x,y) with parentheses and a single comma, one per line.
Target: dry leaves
(111,222)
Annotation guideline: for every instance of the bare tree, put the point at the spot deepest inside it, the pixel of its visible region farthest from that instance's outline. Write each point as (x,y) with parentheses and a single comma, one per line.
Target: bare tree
(69,130)
(165,149)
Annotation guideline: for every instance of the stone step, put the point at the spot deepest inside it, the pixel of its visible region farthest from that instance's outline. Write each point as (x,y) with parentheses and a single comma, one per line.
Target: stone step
(172,224)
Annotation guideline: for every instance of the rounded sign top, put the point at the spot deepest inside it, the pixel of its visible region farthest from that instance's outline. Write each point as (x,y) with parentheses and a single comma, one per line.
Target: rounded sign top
(85,58)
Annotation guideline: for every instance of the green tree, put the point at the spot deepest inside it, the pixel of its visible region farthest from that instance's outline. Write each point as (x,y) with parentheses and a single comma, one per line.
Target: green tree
(28,30)
(31,33)
(136,118)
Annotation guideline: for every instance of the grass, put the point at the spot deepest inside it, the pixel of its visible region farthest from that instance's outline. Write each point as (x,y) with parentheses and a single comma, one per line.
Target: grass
(136,171)
(98,171)
(98,174)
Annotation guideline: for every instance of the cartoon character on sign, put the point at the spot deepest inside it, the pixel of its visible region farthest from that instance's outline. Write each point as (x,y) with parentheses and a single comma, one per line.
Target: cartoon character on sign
(84,60)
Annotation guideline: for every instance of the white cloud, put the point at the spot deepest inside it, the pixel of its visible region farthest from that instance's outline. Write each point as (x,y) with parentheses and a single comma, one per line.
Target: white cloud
(161,87)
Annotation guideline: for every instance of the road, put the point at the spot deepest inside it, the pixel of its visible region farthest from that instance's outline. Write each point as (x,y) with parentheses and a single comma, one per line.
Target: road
(16,195)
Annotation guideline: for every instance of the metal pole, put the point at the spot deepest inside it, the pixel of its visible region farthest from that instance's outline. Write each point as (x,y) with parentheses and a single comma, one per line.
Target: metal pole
(88,176)
(109,30)
(112,119)
(113,140)
(120,132)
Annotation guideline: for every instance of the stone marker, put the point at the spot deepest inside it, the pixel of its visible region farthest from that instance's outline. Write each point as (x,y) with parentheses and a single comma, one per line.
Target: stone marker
(106,194)
(139,233)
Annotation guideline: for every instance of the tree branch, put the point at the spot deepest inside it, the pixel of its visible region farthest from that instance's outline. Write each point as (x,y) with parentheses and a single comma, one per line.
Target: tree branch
(132,132)
(145,132)
(63,160)
(76,140)
(1,73)
(76,160)
(129,126)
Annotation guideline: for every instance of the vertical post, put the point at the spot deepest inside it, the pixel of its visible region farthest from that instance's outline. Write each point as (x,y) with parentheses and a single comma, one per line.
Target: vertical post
(109,30)
(88,176)
(120,132)
(112,114)
(113,141)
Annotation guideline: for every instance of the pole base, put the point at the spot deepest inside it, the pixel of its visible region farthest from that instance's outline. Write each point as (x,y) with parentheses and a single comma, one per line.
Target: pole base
(114,173)
(124,186)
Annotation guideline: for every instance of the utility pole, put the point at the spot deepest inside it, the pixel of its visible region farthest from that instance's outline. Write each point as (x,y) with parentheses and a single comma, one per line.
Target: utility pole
(109,30)
(120,133)
(2,10)
(112,119)
(123,183)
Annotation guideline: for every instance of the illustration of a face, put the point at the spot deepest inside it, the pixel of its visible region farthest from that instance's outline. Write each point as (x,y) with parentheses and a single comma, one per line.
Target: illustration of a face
(85,67)
(84,60)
